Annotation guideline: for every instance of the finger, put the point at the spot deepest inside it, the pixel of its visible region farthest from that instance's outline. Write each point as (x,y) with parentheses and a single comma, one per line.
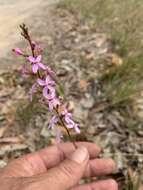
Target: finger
(39,162)
(100,185)
(64,176)
(58,153)
(64,149)
(98,167)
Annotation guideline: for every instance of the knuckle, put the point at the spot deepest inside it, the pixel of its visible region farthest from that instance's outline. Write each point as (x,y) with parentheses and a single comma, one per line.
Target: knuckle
(67,170)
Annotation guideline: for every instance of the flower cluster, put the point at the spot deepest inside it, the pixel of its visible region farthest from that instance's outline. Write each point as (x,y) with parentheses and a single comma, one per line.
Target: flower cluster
(45,83)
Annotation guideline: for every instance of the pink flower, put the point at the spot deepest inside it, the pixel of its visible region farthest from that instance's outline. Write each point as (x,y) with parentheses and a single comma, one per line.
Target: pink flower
(50,71)
(53,122)
(48,81)
(52,125)
(37,65)
(76,128)
(49,91)
(32,91)
(53,103)
(35,59)
(69,122)
(17,51)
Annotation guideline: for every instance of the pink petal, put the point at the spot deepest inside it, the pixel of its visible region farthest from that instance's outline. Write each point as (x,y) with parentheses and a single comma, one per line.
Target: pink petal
(58,135)
(41,82)
(45,91)
(38,58)
(18,51)
(49,92)
(70,126)
(68,120)
(42,66)
(35,68)
(56,101)
(32,59)
(50,71)
(49,81)
(53,103)
(34,88)
(53,122)
(32,91)
(38,48)
(76,127)
(52,92)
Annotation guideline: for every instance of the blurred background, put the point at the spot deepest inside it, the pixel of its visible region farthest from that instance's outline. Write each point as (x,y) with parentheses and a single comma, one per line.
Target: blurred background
(96,48)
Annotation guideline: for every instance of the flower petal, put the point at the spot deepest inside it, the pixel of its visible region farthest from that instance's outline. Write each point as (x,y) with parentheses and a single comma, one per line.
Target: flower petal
(49,81)
(17,51)
(70,126)
(52,92)
(38,58)
(31,59)
(50,71)
(49,92)
(41,82)
(45,91)
(53,122)
(76,127)
(42,66)
(53,103)
(68,120)
(32,91)
(35,68)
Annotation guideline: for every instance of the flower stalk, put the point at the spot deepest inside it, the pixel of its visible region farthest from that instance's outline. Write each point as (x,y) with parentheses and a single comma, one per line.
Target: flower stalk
(46,82)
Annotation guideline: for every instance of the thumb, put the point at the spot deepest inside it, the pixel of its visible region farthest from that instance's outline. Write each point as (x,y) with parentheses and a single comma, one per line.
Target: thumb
(68,173)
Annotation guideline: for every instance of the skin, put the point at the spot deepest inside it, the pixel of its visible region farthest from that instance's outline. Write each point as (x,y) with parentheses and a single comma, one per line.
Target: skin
(51,168)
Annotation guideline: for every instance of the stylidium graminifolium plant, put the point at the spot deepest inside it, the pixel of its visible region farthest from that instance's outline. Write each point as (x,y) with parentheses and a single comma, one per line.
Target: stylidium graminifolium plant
(45,83)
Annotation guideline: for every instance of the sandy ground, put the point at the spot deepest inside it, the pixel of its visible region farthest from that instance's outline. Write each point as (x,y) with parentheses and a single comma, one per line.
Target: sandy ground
(13,13)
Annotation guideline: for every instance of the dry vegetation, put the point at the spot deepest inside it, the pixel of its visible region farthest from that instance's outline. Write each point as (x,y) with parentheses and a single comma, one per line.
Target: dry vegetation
(122,20)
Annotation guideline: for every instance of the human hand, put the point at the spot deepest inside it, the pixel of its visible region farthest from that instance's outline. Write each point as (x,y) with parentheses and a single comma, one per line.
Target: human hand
(58,168)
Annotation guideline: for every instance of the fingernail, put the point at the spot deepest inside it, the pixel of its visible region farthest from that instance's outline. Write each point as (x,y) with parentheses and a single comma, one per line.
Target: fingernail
(80,155)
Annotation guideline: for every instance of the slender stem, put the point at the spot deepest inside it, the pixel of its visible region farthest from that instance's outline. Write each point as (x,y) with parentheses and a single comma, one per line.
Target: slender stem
(62,122)
(26,35)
